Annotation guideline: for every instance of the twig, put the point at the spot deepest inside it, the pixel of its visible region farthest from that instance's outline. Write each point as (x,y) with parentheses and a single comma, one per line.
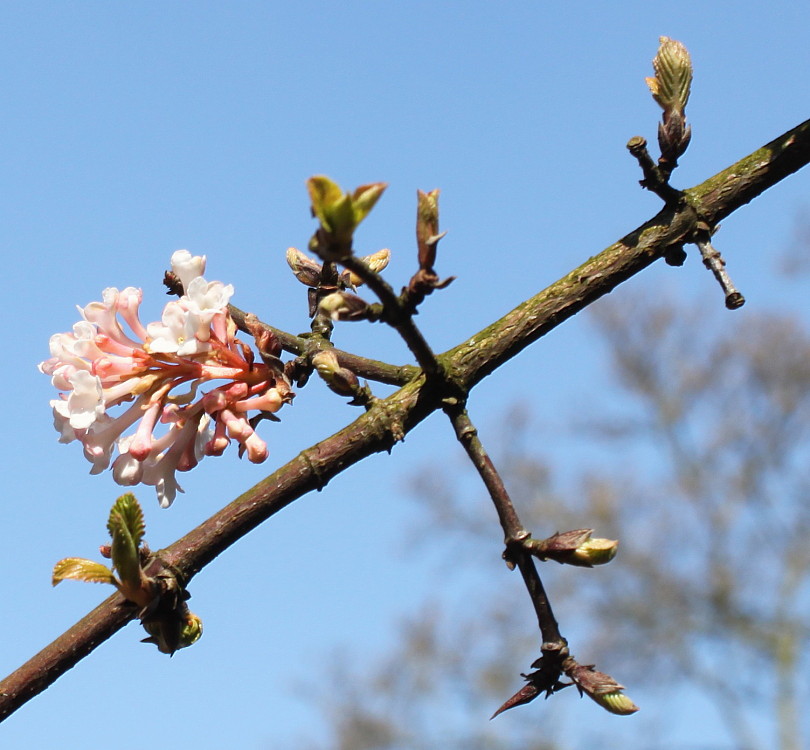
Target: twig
(715,263)
(655,180)
(397,317)
(514,531)
(370,369)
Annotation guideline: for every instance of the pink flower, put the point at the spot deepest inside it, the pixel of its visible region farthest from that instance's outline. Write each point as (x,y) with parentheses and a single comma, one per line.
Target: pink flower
(113,373)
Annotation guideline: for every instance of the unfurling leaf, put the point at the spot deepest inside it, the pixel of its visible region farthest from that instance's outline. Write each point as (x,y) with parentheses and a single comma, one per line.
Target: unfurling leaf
(601,688)
(673,76)
(365,197)
(323,193)
(191,631)
(79,569)
(339,213)
(126,527)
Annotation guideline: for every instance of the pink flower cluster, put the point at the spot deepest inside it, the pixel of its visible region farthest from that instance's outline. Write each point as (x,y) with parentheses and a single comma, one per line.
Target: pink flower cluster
(101,366)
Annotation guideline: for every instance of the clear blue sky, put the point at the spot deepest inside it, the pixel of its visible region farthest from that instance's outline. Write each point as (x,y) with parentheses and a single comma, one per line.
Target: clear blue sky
(132,129)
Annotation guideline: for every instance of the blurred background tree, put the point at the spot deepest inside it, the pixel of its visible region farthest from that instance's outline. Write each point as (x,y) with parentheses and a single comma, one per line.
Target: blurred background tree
(705,481)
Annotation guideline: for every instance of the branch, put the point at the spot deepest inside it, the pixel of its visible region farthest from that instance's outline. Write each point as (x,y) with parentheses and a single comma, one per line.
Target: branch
(392,418)
(712,201)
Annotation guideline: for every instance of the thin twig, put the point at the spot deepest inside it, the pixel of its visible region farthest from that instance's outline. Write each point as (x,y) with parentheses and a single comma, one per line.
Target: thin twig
(715,263)
(514,531)
(397,317)
(655,180)
(363,367)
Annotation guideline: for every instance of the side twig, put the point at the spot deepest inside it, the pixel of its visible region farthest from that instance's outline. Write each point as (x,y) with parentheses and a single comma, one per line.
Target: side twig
(363,367)
(397,317)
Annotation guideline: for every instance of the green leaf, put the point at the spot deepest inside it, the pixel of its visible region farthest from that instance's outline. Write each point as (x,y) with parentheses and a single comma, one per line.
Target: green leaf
(79,569)
(323,193)
(338,218)
(364,199)
(126,527)
(673,75)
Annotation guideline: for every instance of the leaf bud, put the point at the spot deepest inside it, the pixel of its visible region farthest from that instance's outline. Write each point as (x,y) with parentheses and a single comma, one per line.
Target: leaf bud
(602,689)
(575,548)
(339,379)
(306,270)
(673,76)
(427,227)
(376,262)
(343,306)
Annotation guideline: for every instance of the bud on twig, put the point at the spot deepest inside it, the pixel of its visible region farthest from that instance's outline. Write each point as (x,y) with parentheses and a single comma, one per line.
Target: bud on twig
(144,581)
(376,263)
(601,688)
(427,227)
(339,379)
(344,306)
(574,548)
(306,270)
(670,88)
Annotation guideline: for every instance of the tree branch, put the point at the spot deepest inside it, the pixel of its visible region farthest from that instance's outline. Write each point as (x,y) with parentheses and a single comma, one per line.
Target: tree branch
(393,417)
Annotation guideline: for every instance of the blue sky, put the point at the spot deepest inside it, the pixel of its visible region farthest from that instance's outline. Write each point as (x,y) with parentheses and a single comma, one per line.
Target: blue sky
(131,130)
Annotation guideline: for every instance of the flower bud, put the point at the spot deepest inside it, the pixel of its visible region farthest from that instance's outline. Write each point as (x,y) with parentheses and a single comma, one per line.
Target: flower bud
(187,267)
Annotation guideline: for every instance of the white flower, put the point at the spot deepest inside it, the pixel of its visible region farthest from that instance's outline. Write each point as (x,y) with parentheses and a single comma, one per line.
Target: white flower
(175,333)
(85,402)
(187,267)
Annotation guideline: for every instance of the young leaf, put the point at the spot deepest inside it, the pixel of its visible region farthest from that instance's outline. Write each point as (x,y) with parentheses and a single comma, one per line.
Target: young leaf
(365,197)
(79,569)
(323,193)
(126,527)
